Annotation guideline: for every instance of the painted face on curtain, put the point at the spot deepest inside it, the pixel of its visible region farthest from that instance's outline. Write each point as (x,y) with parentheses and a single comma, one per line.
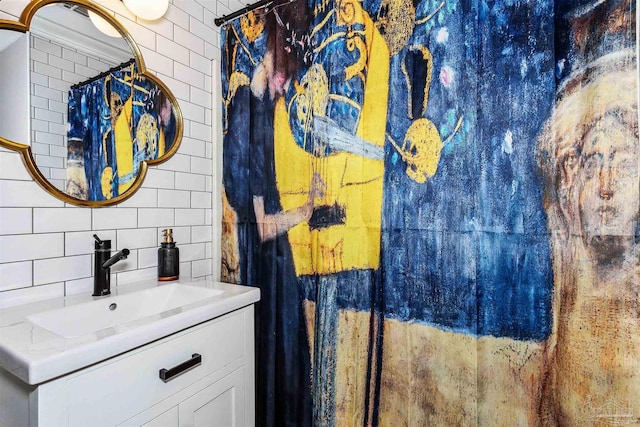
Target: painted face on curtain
(608,199)
(287,49)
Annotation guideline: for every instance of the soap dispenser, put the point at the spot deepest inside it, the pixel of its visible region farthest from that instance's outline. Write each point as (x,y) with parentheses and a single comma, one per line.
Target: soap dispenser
(168,258)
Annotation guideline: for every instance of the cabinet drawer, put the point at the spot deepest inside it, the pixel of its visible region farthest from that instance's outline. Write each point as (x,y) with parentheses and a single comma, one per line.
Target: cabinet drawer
(118,389)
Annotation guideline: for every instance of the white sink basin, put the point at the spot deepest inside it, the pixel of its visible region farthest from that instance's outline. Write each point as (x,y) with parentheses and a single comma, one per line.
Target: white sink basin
(91,317)
(44,340)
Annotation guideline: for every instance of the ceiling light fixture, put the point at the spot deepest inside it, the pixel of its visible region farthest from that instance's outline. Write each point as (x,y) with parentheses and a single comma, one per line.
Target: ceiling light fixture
(148,10)
(102,25)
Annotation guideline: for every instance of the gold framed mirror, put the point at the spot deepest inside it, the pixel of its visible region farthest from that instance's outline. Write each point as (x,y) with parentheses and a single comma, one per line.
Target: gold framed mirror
(96,118)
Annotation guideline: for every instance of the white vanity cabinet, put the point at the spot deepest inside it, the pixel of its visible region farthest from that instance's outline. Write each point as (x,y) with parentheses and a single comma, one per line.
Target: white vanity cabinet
(127,390)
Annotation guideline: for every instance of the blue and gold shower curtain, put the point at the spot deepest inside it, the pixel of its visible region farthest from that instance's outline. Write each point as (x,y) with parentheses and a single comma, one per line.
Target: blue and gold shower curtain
(115,122)
(424,192)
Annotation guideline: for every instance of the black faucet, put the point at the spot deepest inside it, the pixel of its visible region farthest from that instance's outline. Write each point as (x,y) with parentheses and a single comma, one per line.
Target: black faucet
(102,266)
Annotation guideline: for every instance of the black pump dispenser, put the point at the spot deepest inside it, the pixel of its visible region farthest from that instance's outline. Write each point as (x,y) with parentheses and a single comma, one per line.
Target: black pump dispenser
(168,258)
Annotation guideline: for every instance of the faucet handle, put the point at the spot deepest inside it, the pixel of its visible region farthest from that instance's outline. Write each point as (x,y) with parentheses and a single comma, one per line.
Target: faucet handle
(102,244)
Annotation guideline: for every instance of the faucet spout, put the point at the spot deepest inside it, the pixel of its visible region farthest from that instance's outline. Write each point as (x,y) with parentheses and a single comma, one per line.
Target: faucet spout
(123,254)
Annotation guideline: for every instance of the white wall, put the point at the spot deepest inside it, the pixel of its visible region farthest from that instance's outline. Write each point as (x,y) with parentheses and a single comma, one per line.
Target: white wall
(14,81)
(46,247)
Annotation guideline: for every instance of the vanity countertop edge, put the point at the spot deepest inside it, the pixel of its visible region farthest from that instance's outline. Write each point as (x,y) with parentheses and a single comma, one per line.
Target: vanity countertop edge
(36,355)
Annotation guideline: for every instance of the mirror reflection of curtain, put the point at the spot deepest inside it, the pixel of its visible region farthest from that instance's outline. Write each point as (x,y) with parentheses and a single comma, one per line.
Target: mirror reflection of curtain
(116,121)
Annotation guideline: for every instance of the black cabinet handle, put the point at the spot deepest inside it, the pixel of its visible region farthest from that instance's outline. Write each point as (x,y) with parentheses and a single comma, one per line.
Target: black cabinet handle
(167,375)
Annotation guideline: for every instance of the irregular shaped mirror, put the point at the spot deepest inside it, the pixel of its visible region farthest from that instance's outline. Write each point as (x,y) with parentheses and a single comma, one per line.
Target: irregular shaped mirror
(78,104)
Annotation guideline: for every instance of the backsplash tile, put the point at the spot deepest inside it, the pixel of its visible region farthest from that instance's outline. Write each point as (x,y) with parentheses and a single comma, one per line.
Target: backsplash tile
(190,216)
(134,276)
(192,252)
(185,270)
(144,198)
(147,258)
(201,268)
(199,96)
(200,199)
(156,217)
(26,247)
(190,181)
(193,112)
(16,221)
(160,178)
(61,269)
(18,274)
(202,166)
(174,199)
(193,147)
(105,219)
(137,238)
(80,286)
(201,233)
(46,220)
(178,163)
(25,194)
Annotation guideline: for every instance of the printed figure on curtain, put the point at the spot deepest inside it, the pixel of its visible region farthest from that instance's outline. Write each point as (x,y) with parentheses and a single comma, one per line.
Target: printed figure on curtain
(256,82)
(430,196)
(115,122)
(589,152)
(324,157)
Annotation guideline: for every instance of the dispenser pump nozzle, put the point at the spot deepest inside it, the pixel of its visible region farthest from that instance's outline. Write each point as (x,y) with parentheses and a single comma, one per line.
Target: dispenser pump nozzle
(168,235)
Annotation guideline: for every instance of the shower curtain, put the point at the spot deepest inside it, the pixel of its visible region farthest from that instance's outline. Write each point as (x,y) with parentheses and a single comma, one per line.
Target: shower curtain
(439,202)
(116,120)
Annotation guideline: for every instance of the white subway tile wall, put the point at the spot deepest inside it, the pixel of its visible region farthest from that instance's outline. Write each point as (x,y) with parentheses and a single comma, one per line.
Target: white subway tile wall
(60,269)
(16,221)
(46,246)
(21,274)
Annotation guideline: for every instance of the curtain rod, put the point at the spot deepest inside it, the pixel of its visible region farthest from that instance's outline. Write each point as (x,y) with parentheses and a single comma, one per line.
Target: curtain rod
(104,74)
(234,15)
(250,7)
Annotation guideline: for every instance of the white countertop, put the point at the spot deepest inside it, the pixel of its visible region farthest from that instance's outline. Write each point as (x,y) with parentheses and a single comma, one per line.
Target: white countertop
(35,355)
